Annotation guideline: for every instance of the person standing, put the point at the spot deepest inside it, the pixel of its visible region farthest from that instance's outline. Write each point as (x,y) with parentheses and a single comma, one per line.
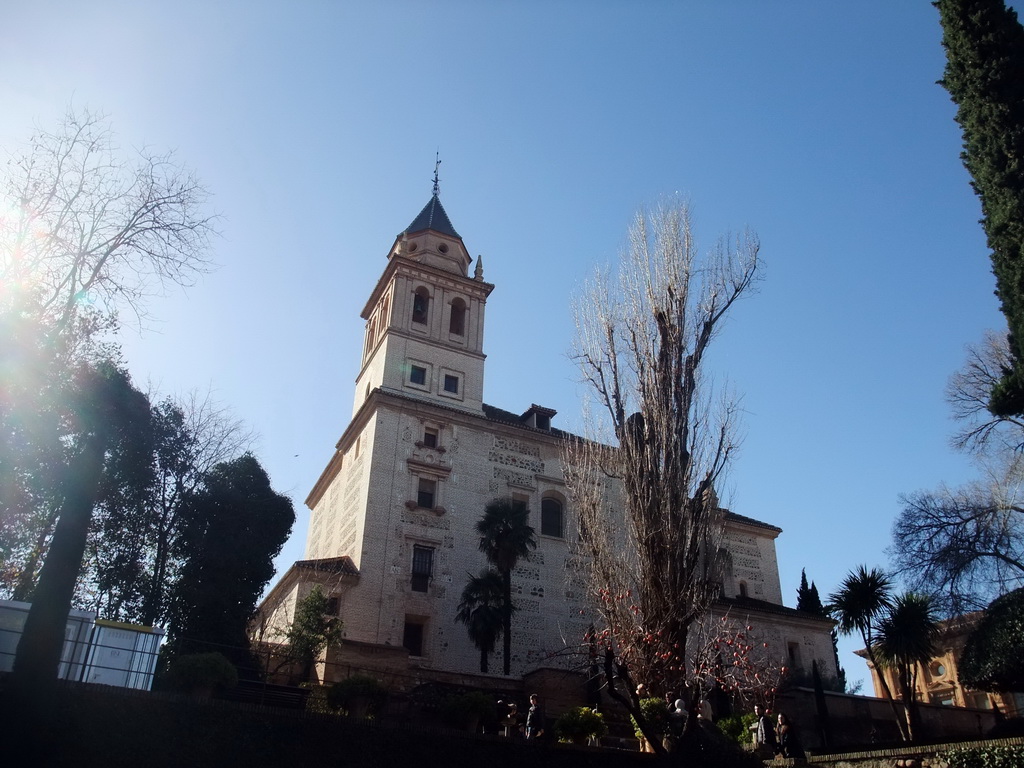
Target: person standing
(534,719)
(513,723)
(764,734)
(788,741)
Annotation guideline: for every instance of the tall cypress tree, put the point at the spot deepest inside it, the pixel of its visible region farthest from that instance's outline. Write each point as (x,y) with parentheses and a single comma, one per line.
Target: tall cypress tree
(984,75)
(808,599)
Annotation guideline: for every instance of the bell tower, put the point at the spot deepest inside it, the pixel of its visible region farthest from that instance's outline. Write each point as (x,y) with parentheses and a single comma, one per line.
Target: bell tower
(425,318)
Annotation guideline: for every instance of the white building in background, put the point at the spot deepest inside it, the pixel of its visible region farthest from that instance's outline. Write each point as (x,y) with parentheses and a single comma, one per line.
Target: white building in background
(392,535)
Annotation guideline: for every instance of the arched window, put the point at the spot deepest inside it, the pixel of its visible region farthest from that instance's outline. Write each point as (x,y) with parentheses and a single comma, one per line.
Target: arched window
(457,322)
(551,517)
(743,589)
(420,303)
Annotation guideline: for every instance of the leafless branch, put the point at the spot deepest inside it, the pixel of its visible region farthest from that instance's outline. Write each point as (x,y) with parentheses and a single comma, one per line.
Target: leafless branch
(83,225)
(643,481)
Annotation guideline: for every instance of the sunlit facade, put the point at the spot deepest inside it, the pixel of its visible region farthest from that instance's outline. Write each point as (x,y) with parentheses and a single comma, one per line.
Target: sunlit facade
(392,536)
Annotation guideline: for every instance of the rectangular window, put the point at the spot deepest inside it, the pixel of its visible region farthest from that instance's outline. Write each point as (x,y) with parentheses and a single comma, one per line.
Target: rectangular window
(426,490)
(418,375)
(412,637)
(550,518)
(430,437)
(422,565)
(451,384)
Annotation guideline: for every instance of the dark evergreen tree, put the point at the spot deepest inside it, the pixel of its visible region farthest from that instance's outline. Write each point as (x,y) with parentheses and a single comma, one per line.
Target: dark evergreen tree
(992,659)
(984,75)
(808,599)
(234,527)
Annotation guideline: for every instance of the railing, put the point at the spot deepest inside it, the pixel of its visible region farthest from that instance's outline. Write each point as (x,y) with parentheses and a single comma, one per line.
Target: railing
(96,653)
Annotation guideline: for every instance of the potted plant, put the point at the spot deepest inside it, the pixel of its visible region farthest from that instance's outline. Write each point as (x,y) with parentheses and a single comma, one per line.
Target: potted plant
(357,696)
(201,674)
(579,725)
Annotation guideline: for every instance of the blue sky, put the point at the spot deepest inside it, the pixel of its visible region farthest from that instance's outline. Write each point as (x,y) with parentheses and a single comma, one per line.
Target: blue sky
(818,125)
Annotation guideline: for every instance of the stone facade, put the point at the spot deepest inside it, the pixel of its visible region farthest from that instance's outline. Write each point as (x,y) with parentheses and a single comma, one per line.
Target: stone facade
(423,455)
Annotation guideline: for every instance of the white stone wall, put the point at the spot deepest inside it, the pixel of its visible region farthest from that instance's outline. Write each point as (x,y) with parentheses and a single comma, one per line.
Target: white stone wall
(368,513)
(337,524)
(477,461)
(793,641)
(753,562)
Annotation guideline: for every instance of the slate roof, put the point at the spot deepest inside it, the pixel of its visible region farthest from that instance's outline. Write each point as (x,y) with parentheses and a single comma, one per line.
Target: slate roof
(507,417)
(763,606)
(751,521)
(433,216)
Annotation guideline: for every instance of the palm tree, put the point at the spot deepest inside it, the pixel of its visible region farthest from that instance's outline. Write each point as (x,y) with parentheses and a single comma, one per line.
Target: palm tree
(906,638)
(481,611)
(856,606)
(506,536)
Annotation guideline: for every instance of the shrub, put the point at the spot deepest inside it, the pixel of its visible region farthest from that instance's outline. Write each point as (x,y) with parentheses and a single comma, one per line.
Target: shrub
(985,757)
(357,695)
(201,673)
(317,700)
(736,728)
(580,723)
(655,711)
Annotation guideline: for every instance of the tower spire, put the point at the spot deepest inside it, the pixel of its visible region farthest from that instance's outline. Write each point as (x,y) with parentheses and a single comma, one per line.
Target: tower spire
(437,183)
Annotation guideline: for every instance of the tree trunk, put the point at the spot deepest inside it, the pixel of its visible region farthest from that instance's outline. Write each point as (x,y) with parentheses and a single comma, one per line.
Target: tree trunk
(909,704)
(506,620)
(39,650)
(27,580)
(900,721)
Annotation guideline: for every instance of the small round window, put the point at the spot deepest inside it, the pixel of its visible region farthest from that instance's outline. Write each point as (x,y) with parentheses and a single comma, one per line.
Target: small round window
(412,247)
(938,669)
(443,248)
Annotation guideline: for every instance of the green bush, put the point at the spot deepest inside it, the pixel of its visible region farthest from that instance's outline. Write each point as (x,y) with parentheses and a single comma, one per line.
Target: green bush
(580,723)
(317,700)
(985,757)
(359,694)
(655,711)
(201,672)
(737,727)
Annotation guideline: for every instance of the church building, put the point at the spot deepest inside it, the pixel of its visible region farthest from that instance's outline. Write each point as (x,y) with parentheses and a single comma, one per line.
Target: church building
(392,536)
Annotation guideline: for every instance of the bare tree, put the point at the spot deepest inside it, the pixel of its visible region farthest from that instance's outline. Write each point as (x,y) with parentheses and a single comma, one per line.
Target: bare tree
(87,226)
(651,525)
(968,394)
(964,546)
(84,231)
